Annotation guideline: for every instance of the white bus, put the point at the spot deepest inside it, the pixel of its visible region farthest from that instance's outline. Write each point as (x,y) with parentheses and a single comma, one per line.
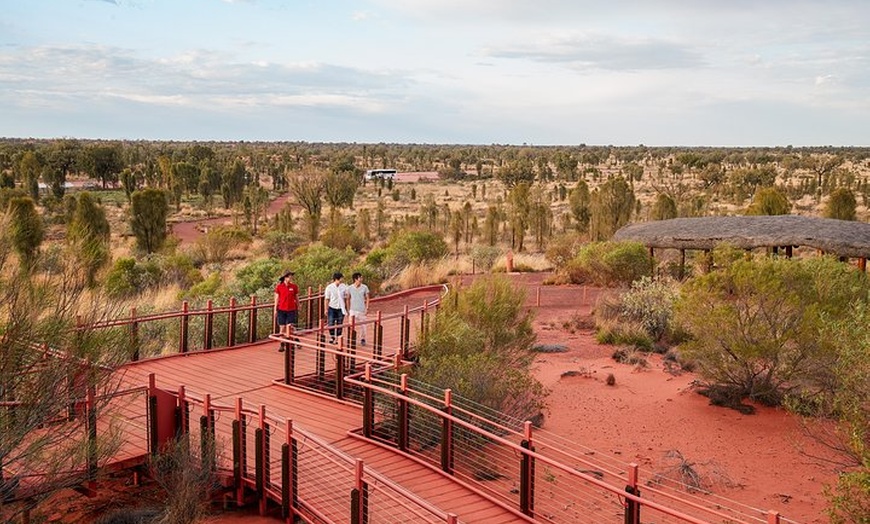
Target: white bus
(386,174)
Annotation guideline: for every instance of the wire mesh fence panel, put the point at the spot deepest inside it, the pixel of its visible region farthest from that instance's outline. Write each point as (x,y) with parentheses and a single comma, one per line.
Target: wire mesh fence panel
(492,466)
(223,438)
(324,485)
(564,496)
(122,423)
(384,504)
(250,422)
(158,337)
(425,433)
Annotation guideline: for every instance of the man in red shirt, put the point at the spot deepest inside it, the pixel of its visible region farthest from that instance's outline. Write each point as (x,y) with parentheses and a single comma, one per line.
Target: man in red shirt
(286,303)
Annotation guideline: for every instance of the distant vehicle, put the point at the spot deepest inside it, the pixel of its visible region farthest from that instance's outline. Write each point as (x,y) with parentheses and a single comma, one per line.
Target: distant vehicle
(375,174)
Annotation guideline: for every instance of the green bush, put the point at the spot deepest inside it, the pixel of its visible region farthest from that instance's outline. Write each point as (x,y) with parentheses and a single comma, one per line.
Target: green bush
(414,246)
(610,263)
(215,245)
(756,324)
(341,237)
(562,249)
(177,269)
(129,277)
(259,274)
(484,256)
(315,265)
(280,244)
(480,345)
(651,304)
(207,288)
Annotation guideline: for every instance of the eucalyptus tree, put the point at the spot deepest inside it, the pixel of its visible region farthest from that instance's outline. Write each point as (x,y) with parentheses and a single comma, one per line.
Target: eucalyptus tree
(307,187)
(88,237)
(104,162)
(29,168)
(148,212)
(611,206)
(769,201)
(841,205)
(579,201)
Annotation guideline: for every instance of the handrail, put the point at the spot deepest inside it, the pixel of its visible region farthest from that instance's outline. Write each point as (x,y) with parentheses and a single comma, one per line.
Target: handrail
(334,455)
(556,464)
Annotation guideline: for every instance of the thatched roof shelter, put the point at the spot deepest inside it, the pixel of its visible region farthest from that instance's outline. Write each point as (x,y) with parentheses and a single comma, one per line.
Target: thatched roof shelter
(840,237)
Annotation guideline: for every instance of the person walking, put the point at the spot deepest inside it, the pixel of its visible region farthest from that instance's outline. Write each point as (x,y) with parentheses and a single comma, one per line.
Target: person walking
(286,304)
(335,298)
(358,294)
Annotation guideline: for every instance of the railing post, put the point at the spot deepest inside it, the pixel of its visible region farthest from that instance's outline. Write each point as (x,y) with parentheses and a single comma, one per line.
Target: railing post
(182,415)
(134,334)
(91,404)
(447,433)
(260,459)
(452,518)
(309,314)
(231,323)
(538,296)
(321,354)
(238,455)
(208,339)
(379,335)
(359,497)
(368,403)
(406,334)
(206,436)
(773,517)
(339,370)
(632,507)
(288,475)
(527,473)
(252,320)
(289,349)
(153,428)
(403,413)
(185,326)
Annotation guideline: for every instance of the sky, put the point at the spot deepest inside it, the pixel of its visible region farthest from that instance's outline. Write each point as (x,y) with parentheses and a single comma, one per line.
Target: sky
(539,72)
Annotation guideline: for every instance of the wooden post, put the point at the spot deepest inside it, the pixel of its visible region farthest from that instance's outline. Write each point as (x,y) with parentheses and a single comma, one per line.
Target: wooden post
(238,454)
(632,507)
(682,263)
(403,413)
(252,320)
(527,473)
(231,323)
(862,264)
(261,460)
(379,335)
(339,370)
(185,326)
(321,354)
(538,296)
(288,476)
(773,517)
(134,334)
(368,403)
(447,433)
(208,339)
(91,404)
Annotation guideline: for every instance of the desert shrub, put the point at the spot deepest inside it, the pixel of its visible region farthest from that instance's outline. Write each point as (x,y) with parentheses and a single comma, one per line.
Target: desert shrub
(259,274)
(480,345)
(216,244)
(563,248)
(407,247)
(609,263)
(340,236)
(484,256)
(315,265)
(756,324)
(279,244)
(651,304)
(625,333)
(186,479)
(129,277)
(850,498)
(631,356)
(206,288)
(177,269)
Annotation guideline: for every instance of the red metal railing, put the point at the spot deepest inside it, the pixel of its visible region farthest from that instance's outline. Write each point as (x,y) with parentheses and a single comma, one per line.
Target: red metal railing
(286,466)
(515,468)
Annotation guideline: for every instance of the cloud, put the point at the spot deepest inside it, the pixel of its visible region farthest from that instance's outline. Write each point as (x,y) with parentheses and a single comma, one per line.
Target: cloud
(605,52)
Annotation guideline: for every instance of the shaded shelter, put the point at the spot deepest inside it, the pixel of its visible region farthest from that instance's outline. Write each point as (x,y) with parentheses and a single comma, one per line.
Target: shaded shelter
(845,239)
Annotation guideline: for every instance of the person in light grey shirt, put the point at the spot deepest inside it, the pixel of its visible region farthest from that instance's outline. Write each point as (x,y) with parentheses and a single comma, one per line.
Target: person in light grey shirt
(335,298)
(359,304)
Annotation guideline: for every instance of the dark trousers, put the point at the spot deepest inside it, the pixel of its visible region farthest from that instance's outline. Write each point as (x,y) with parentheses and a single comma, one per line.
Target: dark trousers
(334,317)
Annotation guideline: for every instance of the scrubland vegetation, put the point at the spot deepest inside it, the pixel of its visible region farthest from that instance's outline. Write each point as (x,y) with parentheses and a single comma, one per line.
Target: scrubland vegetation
(92,221)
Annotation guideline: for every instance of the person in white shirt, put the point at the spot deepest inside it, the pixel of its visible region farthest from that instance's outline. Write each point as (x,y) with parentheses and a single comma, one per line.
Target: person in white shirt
(358,294)
(335,299)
